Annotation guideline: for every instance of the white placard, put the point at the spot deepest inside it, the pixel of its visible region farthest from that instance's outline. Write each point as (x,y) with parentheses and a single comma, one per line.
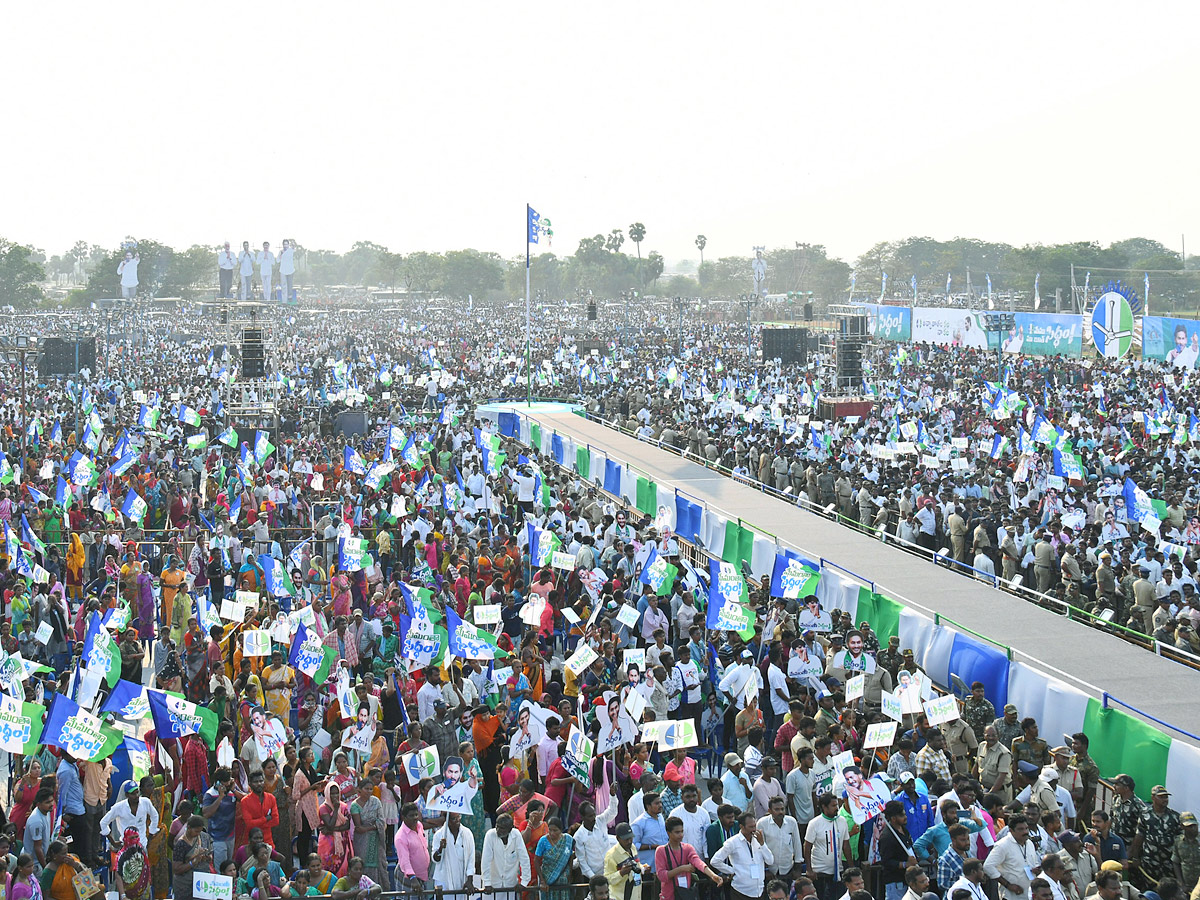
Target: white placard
(581,659)
(487,614)
(559,560)
(206,886)
(855,686)
(881,734)
(634,657)
(232,611)
(44,633)
(570,615)
(942,709)
(635,705)
(256,643)
(891,706)
(247,598)
(628,615)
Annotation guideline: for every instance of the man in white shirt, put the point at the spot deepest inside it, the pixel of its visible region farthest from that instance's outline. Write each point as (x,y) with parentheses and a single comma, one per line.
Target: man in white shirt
(695,818)
(781,834)
(246,270)
(266,266)
(972,880)
(287,268)
(745,856)
(453,855)
(592,838)
(225,264)
(131,811)
(127,269)
(1014,861)
(505,860)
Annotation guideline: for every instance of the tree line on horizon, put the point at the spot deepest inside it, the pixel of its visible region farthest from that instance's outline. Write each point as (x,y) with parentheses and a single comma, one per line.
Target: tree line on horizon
(601,265)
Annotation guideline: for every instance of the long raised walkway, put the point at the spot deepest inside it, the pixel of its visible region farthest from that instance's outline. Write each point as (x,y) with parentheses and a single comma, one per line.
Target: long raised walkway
(1092,658)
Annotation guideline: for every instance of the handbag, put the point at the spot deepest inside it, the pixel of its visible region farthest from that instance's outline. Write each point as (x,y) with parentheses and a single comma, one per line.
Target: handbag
(681,893)
(86,885)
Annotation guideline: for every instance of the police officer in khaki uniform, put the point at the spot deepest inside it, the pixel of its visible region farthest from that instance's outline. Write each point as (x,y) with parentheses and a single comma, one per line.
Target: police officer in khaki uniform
(961,742)
(994,764)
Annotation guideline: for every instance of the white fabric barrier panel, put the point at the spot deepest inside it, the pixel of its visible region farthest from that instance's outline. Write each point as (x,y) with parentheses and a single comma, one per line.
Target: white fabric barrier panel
(836,592)
(628,485)
(526,435)
(599,460)
(762,558)
(915,632)
(1059,708)
(1183,775)
(714,533)
(936,661)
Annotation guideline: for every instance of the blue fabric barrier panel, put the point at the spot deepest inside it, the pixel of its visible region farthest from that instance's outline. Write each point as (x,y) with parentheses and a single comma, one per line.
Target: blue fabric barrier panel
(612,477)
(973,660)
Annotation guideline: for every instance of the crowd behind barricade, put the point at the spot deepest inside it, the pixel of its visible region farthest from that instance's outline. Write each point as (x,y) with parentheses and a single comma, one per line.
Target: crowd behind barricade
(416,659)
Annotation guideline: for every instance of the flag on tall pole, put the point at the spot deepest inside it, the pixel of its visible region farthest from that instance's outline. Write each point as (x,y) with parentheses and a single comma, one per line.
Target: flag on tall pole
(533,223)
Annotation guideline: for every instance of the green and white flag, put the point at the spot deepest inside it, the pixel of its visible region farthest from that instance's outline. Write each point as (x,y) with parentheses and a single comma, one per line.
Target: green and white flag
(20,726)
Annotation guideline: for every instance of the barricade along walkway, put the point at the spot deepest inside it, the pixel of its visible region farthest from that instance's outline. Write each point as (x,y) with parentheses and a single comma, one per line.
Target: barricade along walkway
(1088,659)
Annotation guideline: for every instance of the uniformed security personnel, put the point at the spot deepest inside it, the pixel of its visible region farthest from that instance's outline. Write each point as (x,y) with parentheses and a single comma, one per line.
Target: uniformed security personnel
(1030,748)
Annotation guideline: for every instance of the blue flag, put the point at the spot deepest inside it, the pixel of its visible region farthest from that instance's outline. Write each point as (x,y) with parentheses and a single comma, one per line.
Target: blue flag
(352,462)
(793,576)
(534,224)
(78,732)
(127,699)
(464,639)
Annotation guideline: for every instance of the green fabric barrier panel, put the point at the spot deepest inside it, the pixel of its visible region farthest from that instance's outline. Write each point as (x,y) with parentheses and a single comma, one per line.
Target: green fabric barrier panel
(535,437)
(882,612)
(729,550)
(583,463)
(745,545)
(1119,743)
(647,496)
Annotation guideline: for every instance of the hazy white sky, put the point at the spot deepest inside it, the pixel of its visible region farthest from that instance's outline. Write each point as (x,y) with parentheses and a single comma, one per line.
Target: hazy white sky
(429,126)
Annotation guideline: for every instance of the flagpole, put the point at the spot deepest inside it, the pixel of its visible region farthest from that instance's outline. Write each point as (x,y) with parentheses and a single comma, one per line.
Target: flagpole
(528,378)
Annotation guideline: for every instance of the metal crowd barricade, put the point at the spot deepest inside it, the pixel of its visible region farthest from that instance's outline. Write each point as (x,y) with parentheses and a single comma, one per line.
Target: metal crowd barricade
(1078,614)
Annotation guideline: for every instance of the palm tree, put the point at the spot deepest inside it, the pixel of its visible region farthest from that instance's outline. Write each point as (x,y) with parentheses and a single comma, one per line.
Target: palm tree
(637,234)
(701,242)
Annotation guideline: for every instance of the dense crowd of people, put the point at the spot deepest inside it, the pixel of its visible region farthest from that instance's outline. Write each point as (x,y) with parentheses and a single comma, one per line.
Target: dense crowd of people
(424,656)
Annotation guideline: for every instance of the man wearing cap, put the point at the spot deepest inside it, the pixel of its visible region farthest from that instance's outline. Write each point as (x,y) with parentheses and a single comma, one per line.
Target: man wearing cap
(1185,856)
(977,710)
(1080,862)
(767,786)
(1158,828)
(962,744)
(1049,795)
(1128,810)
(889,658)
(621,866)
(1008,726)
(1068,775)
(735,783)
(994,764)
(131,811)
(1089,775)
(1029,747)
